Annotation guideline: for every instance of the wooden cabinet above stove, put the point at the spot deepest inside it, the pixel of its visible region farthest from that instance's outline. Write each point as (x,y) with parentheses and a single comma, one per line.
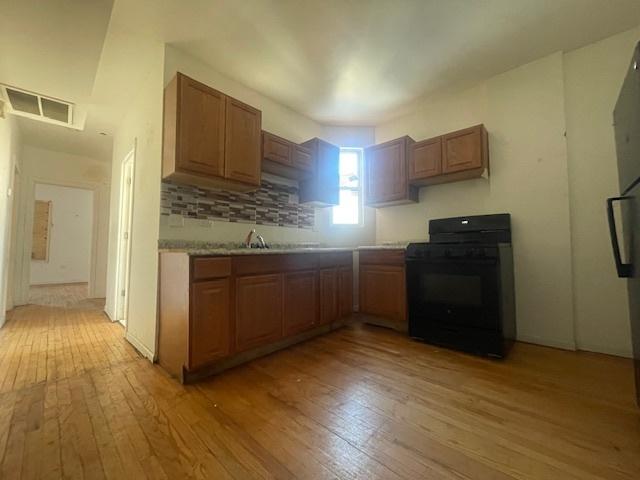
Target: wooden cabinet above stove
(394,170)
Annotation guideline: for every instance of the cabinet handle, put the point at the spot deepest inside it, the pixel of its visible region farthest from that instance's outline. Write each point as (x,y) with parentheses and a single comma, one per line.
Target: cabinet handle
(625,270)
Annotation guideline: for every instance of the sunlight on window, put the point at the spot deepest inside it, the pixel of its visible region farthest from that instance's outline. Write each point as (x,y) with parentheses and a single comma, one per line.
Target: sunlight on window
(348,212)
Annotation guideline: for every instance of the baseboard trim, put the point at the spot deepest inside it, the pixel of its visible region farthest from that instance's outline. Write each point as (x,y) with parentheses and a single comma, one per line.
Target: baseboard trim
(139,346)
(616,352)
(546,342)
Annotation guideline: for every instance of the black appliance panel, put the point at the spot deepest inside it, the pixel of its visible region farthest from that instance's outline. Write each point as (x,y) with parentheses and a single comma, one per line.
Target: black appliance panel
(453,292)
(626,121)
(494,228)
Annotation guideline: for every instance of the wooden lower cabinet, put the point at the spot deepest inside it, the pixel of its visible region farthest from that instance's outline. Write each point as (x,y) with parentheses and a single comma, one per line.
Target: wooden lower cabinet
(210,332)
(258,310)
(329,309)
(216,312)
(300,301)
(345,291)
(382,287)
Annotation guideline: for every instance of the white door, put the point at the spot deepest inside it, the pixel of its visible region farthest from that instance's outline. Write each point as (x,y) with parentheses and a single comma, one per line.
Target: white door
(124,238)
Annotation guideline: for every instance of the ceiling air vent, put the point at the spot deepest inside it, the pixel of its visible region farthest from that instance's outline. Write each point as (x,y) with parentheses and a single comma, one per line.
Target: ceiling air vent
(39,107)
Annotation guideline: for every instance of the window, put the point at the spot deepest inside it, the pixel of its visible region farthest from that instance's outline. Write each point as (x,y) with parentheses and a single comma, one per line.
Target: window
(349,211)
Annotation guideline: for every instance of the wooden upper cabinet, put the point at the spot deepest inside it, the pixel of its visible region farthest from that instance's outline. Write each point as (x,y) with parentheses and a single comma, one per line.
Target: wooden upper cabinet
(425,160)
(277,149)
(322,189)
(258,310)
(210,323)
(285,158)
(464,150)
(300,301)
(386,173)
(329,308)
(209,139)
(200,110)
(242,142)
(303,159)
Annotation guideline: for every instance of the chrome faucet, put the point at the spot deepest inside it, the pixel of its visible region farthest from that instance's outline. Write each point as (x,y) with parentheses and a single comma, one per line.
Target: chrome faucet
(260,238)
(261,242)
(247,241)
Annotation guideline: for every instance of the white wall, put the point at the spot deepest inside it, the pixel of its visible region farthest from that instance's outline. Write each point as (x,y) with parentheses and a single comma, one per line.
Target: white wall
(567,293)
(57,168)
(288,124)
(141,128)
(9,158)
(523,110)
(593,76)
(71,215)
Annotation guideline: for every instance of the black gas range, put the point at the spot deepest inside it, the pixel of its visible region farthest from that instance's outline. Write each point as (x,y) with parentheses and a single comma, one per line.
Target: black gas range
(460,285)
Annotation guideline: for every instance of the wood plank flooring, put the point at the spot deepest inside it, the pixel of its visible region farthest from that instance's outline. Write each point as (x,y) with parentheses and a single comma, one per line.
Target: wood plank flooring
(76,401)
(68,295)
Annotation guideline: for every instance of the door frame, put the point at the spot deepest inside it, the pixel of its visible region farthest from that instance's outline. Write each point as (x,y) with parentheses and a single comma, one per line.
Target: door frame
(24,270)
(123,272)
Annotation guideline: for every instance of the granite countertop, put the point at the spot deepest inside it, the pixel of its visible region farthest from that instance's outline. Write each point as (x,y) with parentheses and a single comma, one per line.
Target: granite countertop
(196,248)
(394,246)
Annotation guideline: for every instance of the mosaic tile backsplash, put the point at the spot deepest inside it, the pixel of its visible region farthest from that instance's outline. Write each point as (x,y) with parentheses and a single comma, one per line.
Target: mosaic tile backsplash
(273,204)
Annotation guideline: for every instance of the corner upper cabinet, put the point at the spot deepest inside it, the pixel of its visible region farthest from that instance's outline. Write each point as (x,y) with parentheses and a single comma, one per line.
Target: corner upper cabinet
(386,173)
(209,138)
(465,150)
(322,189)
(456,156)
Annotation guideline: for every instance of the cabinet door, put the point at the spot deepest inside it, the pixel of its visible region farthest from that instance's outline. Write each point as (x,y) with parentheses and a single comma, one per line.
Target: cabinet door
(328,295)
(462,150)
(323,188)
(258,310)
(300,301)
(201,128)
(345,291)
(277,149)
(210,331)
(302,158)
(382,291)
(242,142)
(386,168)
(426,159)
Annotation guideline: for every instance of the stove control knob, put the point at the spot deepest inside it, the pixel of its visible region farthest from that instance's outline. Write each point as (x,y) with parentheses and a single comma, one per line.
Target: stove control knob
(447,252)
(469,252)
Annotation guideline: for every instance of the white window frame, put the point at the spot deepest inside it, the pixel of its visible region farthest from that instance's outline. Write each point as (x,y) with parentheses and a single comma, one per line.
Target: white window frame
(359,190)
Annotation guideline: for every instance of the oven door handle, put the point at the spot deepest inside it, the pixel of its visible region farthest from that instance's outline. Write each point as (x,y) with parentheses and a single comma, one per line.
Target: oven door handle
(625,270)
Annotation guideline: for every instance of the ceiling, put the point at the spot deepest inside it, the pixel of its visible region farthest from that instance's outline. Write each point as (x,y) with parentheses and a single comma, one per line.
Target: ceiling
(361,61)
(352,62)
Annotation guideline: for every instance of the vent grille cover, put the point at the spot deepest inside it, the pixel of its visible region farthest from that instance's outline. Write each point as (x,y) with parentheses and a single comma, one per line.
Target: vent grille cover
(39,107)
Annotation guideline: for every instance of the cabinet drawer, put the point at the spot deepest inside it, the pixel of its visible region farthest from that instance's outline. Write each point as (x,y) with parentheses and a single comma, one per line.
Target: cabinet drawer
(211,267)
(382,257)
(335,259)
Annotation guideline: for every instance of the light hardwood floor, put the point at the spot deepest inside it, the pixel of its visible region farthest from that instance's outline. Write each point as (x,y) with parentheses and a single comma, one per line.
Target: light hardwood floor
(69,295)
(76,401)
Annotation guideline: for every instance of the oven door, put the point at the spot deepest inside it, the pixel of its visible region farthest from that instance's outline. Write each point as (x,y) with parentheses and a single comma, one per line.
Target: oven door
(453,295)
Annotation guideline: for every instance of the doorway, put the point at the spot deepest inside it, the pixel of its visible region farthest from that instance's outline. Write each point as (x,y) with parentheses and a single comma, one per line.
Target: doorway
(61,246)
(124,238)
